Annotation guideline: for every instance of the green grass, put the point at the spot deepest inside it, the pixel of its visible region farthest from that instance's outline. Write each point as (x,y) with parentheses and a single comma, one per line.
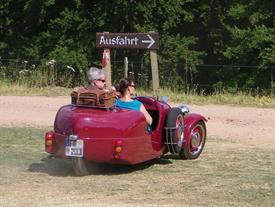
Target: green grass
(217,98)
(226,174)
(174,96)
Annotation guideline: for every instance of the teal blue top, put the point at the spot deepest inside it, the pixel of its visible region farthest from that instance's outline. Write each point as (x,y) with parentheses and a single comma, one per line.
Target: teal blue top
(134,105)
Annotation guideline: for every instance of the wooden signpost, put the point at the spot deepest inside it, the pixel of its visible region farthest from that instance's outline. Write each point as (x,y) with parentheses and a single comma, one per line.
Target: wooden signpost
(149,41)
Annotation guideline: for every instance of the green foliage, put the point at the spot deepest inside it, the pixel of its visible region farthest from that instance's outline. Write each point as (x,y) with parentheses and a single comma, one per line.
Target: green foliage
(71,63)
(191,33)
(176,56)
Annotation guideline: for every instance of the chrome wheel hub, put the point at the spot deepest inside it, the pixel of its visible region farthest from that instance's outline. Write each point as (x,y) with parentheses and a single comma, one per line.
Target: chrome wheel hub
(196,140)
(180,135)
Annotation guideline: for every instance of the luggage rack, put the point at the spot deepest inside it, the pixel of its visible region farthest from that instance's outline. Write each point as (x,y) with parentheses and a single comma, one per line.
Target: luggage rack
(169,141)
(96,107)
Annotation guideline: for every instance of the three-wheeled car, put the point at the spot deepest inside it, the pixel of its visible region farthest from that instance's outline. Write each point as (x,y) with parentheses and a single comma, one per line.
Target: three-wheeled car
(86,134)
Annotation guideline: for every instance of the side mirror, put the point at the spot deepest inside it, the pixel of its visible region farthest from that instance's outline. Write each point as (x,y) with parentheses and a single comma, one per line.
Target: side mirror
(164,99)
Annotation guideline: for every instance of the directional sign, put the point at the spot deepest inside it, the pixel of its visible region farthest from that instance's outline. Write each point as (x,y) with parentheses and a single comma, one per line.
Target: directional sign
(128,40)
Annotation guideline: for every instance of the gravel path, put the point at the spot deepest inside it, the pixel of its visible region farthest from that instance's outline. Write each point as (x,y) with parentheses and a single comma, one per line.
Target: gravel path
(243,125)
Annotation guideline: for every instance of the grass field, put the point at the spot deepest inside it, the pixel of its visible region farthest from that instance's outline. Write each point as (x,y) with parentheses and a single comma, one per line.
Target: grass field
(226,174)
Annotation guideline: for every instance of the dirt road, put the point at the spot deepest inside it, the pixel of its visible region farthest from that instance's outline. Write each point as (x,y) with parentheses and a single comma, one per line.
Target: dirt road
(228,173)
(244,125)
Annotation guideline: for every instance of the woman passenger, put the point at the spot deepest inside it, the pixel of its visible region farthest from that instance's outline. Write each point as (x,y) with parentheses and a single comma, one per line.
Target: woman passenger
(126,87)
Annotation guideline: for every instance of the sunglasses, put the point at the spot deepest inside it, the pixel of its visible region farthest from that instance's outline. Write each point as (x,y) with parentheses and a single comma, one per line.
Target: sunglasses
(132,86)
(103,81)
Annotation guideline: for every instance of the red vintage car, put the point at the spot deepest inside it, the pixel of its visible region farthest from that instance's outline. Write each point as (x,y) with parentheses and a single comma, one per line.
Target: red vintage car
(112,135)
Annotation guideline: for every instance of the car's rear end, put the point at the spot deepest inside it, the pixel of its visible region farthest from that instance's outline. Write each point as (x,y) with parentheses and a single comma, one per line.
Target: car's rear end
(107,135)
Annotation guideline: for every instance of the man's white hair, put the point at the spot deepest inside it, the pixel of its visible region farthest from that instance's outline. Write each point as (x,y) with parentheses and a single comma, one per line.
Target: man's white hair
(94,74)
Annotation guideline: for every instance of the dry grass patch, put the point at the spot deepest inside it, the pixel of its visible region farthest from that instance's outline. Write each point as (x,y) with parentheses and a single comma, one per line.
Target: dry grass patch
(226,174)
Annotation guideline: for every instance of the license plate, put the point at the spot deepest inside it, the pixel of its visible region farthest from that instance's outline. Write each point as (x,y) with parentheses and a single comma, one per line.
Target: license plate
(74,148)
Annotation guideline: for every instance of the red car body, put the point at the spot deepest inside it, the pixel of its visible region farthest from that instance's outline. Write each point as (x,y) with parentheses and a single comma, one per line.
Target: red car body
(119,136)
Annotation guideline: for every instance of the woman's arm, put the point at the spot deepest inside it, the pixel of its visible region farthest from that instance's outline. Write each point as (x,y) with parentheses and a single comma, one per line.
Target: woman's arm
(148,117)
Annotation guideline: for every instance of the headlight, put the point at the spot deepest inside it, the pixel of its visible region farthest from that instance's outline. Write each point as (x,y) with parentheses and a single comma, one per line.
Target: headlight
(184,109)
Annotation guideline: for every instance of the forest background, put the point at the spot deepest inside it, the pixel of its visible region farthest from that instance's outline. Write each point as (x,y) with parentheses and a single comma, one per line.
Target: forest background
(205,46)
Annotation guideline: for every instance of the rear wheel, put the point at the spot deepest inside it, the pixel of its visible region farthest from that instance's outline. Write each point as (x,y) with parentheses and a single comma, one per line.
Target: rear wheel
(174,131)
(80,166)
(196,144)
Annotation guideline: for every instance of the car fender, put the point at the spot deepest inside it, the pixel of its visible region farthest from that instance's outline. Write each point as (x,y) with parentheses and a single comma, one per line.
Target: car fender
(190,120)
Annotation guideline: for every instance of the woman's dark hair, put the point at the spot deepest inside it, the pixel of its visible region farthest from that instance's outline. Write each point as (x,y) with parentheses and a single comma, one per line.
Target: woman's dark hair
(123,84)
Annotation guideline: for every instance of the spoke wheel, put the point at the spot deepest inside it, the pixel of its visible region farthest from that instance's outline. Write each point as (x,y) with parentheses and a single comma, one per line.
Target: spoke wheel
(196,144)
(174,134)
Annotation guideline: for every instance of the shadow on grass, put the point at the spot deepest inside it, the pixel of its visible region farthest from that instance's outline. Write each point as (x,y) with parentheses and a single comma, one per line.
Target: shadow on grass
(53,167)
(63,167)
(113,169)
(171,157)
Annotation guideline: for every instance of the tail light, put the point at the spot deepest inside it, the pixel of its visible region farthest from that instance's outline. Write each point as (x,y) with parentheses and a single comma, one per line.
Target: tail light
(118,148)
(49,138)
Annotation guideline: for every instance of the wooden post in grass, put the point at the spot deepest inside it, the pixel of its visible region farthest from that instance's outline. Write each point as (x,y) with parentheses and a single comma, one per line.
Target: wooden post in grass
(125,67)
(155,71)
(271,80)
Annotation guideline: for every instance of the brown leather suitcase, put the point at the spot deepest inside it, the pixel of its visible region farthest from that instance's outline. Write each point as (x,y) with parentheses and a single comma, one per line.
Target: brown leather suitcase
(93,97)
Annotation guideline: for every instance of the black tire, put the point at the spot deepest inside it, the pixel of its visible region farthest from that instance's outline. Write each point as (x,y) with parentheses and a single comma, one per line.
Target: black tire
(174,133)
(80,166)
(196,144)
